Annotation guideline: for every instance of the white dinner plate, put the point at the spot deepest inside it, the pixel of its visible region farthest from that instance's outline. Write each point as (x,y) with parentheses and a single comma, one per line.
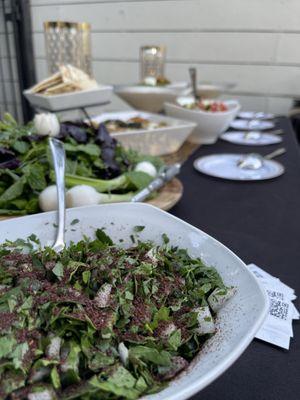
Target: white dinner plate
(225,166)
(255,115)
(251,125)
(249,139)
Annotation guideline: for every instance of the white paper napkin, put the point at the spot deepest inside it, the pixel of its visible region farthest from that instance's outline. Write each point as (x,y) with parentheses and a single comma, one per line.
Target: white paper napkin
(277,328)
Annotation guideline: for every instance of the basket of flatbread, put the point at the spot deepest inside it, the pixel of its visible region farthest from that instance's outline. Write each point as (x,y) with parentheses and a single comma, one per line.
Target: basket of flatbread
(68,88)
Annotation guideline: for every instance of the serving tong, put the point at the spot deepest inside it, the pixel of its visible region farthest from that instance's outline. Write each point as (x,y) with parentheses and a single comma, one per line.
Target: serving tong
(256,135)
(163,177)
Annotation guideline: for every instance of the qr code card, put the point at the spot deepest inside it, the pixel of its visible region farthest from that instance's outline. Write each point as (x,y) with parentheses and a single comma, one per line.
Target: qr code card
(266,279)
(277,327)
(274,337)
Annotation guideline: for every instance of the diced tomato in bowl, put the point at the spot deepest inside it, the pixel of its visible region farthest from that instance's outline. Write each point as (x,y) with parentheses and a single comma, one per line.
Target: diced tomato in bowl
(206,105)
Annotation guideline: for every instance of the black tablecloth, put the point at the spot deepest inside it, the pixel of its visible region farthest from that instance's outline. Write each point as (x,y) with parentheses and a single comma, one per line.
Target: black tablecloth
(260,222)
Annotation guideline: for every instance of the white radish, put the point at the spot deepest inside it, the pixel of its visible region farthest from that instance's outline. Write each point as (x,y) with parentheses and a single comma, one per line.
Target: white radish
(146,167)
(84,195)
(48,199)
(47,124)
(78,196)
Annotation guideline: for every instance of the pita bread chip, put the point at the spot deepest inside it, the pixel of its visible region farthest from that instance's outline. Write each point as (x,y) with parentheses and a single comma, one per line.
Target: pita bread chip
(47,83)
(60,89)
(77,77)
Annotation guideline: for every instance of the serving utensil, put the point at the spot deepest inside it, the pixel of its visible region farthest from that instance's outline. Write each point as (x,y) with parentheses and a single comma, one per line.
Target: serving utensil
(165,176)
(256,115)
(257,134)
(252,125)
(193,77)
(59,161)
(255,161)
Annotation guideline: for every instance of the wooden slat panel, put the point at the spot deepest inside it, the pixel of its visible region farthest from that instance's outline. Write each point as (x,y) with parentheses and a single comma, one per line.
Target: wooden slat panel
(270,80)
(4,50)
(251,103)
(276,105)
(10,88)
(218,15)
(6,70)
(220,37)
(201,47)
(1,21)
(10,108)
(279,106)
(54,2)
(2,27)
(288,49)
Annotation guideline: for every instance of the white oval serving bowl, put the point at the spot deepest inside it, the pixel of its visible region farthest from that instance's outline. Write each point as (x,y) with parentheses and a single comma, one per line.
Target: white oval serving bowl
(150,98)
(210,125)
(237,322)
(155,142)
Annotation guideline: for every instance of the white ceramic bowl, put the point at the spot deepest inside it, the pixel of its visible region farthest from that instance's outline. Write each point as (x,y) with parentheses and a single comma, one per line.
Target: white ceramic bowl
(156,142)
(238,321)
(150,98)
(59,102)
(210,125)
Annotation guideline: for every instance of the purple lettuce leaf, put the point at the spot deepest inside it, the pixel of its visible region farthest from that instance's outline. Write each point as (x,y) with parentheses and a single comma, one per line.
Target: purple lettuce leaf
(108,147)
(8,159)
(76,131)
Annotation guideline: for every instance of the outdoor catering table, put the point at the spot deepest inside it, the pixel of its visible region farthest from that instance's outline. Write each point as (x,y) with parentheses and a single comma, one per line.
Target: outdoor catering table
(260,222)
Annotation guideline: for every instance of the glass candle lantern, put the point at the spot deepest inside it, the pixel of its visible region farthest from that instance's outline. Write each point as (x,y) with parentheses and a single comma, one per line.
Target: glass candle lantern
(152,62)
(68,43)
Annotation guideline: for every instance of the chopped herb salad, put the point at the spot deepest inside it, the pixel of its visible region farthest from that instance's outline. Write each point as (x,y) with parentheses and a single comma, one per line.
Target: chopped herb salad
(99,321)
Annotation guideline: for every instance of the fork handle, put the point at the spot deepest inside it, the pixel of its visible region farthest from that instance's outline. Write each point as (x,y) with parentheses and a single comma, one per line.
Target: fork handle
(277,132)
(58,155)
(275,153)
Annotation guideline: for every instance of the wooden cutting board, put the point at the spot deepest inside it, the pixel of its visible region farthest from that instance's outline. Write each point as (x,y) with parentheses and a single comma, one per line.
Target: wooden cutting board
(168,196)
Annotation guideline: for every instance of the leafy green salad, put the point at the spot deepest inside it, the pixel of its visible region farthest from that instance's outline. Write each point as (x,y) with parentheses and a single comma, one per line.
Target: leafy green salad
(101,321)
(94,159)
